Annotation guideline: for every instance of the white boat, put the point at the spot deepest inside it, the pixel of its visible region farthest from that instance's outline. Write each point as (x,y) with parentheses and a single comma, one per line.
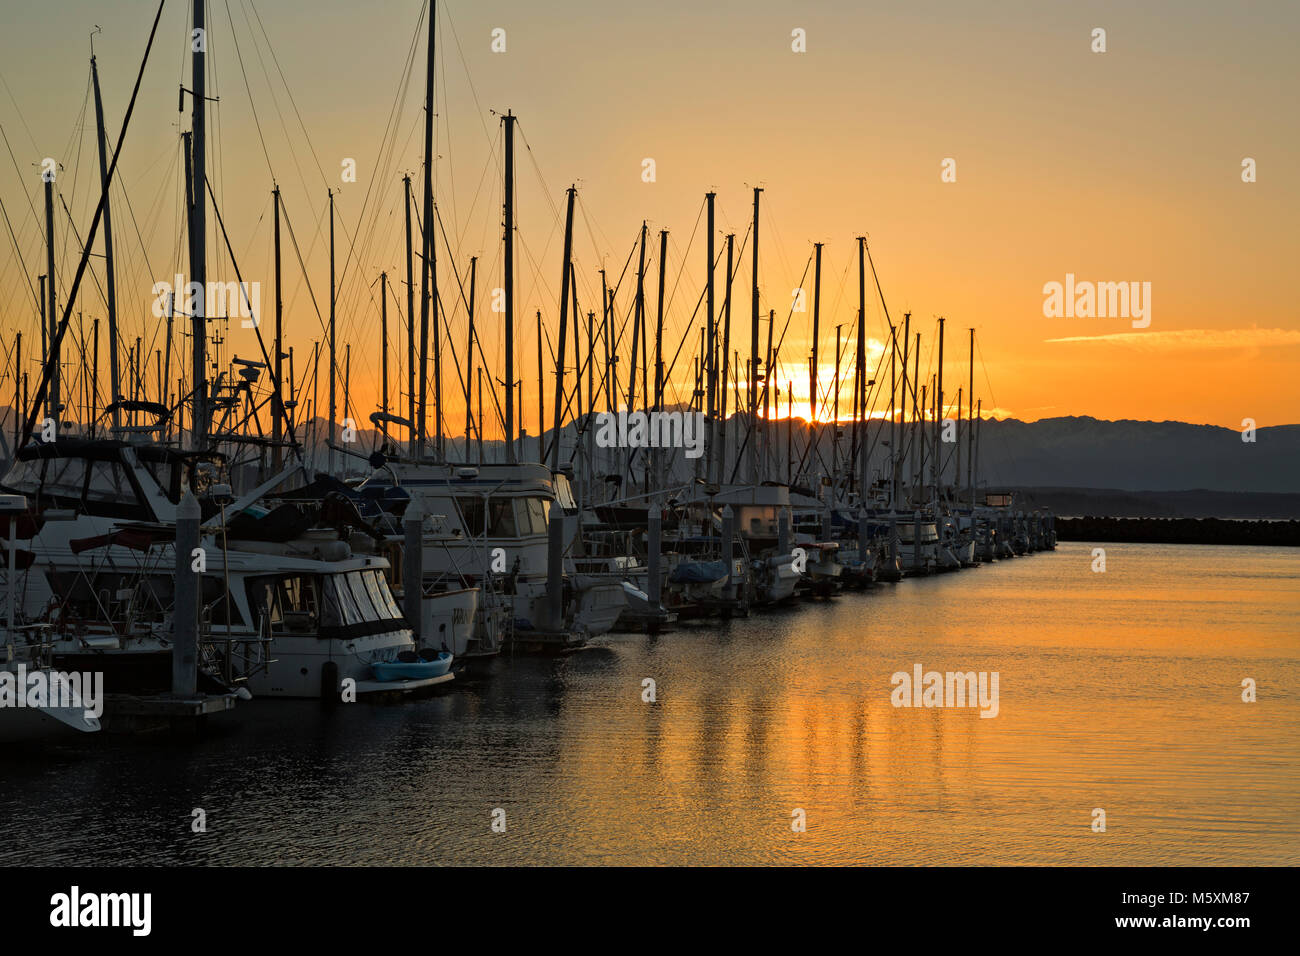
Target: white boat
(295,618)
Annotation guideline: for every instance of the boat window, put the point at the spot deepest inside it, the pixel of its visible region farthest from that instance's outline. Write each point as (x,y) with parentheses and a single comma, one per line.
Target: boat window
(109,493)
(340,605)
(380,595)
(361,595)
(501,518)
(288,602)
(471,513)
(532,516)
(24,477)
(65,478)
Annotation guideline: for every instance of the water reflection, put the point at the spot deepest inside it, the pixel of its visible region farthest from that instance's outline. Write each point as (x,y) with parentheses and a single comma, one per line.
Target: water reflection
(1118,690)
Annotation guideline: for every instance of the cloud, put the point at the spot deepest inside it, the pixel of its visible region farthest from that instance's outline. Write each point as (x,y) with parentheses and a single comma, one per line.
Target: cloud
(1188,339)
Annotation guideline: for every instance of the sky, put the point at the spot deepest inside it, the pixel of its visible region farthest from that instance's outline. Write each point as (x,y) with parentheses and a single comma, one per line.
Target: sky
(1116,166)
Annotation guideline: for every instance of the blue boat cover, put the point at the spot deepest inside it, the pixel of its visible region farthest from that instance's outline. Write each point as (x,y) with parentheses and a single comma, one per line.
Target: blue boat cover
(698,572)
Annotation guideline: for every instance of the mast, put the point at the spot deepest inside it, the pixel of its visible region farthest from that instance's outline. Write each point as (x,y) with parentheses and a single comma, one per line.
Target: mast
(917,432)
(410,320)
(102,139)
(817,311)
(711,370)
(566,270)
(659,334)
(277,399)
(835,430)
(509,266)
(721,457)
(754,359)
(636,321)
(541,395)
(198,226)
(53,408)
(970,431)
(469,354)
(333,363)
(427,252)
(859,425)
(936,469)
(383,350)
(902,397)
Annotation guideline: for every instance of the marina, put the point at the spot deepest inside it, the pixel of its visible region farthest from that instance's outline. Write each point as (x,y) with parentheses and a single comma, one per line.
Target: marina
(424,444)
(200,544)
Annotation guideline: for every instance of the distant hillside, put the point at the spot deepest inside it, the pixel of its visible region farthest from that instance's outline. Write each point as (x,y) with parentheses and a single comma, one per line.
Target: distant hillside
(1058,457)
(1139,456)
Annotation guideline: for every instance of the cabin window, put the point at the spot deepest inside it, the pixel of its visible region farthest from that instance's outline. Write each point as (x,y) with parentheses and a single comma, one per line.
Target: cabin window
(109,493)
(24,477)
(532,516)
(501,518)
(289,603)
(471,515)
(65,478)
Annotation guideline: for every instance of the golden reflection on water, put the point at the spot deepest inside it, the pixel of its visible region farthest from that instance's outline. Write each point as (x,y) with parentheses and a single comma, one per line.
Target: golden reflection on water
(1119,691)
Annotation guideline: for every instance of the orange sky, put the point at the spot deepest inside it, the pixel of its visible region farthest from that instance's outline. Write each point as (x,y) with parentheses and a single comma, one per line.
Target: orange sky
(1115,166)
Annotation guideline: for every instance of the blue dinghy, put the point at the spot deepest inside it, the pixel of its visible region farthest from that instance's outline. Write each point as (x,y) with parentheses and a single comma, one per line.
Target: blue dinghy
(416,669)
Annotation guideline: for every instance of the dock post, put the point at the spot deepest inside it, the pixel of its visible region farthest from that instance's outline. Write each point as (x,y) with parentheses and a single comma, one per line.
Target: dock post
(728,547)
(555,566)
(827,526)
(783,532)
(864,539)
(185,614)
(413,566)
(895,560)
(918,557)
(654,547)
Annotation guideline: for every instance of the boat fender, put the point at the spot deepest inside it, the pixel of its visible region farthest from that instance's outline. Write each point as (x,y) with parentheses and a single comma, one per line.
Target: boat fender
(329,683)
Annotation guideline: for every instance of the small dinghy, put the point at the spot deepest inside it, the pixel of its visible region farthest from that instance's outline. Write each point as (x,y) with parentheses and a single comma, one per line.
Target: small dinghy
(410,666)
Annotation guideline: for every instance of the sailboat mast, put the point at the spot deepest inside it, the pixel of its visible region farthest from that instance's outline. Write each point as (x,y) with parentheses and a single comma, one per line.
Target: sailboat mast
(566,272)
(937,468)
(333,363)
(469,354)
(53,408)
(383,350)
(410,319)
(509,283)
(721,457)
(102,139)
(754,357)
(711,317)
(277,399)
(198,225)
(426,245)
(817,313)
(970,430)
(859,425)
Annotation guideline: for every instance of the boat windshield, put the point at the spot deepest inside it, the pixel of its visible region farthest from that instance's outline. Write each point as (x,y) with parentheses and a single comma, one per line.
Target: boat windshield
(341,605)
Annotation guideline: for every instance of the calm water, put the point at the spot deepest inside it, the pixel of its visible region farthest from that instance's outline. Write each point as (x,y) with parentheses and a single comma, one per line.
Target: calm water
(1119,690)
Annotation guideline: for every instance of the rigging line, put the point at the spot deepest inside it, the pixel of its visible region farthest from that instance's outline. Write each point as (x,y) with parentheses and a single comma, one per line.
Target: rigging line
(18,250)
(301,265)
(288,91)
(59,333)
(77,236)
(35,218)
(257,123)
